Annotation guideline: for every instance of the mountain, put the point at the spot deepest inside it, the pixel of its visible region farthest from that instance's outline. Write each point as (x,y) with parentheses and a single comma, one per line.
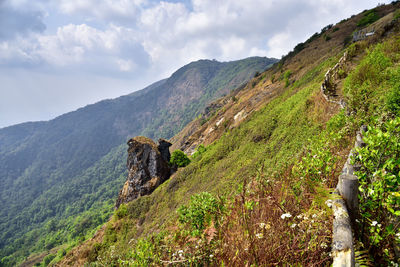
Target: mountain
(59,178)
(266,158)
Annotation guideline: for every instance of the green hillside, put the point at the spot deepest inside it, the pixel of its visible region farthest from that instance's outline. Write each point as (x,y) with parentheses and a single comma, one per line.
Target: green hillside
(60,178)
(258,195)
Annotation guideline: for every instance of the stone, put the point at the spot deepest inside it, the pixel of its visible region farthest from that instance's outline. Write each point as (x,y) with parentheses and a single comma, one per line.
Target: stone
(147,168)
(163,147)
(342,238)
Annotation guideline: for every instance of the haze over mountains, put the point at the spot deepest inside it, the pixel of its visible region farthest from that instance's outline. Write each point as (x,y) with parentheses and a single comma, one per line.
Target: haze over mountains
(67,166)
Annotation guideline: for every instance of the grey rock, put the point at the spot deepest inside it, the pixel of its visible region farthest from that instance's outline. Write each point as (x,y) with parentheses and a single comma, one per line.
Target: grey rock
(147,168)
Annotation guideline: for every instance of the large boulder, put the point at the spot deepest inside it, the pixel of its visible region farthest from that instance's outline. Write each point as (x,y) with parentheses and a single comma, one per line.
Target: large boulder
(148,168)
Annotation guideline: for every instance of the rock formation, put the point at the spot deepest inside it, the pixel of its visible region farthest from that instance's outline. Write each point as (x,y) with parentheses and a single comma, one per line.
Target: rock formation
(148,168)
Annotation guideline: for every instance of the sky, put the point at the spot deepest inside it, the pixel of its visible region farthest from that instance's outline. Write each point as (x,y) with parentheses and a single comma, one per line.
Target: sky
(59,55)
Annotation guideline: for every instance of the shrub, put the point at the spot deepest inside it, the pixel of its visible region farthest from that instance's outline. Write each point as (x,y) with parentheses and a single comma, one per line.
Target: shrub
(178,158)
(48,259)
(369,17)
(327,37)
(379,179)
(122,211)
(393,97)
(203,209)
(199,151)
(286,77)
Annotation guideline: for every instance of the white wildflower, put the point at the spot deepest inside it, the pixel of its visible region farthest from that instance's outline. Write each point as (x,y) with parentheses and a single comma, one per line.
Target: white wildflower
(314,215)
(324,245)
(259,235)
(211,255)
(374,223)
(299,216)
(262,225)
(286,215)
(293,225)
(312,221)
(398,235)
(329,203)
(305,218)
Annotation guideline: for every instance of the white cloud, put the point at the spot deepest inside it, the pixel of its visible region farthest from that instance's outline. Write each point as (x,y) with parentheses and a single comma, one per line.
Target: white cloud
(142,41)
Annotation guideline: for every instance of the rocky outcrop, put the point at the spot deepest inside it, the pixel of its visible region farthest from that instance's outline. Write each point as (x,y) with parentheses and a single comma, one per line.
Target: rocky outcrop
(148,168)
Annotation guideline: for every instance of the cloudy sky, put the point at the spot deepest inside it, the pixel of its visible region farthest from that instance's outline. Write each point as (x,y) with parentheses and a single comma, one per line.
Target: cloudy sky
(59,55)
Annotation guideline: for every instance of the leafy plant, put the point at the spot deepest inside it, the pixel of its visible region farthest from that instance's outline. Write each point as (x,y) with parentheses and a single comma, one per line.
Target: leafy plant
(379,180)
(202,210)
(179,158)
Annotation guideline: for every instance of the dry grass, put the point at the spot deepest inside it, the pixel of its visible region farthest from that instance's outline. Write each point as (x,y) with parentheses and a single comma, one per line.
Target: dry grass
(258,232)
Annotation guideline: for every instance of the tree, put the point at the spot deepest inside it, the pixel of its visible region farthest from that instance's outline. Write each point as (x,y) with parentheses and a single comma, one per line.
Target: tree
(178,158)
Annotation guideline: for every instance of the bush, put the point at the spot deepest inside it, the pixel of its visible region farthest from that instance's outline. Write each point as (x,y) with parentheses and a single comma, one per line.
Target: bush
(286,77)
(178,158)
(368,18)
(327,37)
(393,97)
(122,211)
(199,151)
(379,179)
(48,259)
(203,209)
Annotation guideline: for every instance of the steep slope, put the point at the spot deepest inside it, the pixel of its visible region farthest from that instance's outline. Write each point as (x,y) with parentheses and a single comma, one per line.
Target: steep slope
(273,151)
(67,166)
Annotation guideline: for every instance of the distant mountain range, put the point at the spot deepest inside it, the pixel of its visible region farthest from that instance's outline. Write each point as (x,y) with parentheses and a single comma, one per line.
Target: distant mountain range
(62,176)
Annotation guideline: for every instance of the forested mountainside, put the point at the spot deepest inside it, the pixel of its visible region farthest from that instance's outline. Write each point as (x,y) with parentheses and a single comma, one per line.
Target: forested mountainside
(59,178)
(265,159)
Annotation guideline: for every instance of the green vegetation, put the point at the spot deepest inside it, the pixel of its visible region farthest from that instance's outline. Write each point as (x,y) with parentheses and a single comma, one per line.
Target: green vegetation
(379,179)
(274,173)
(286,77)
(369,17)
(179,159)
(202,210)
(371,89)
(236,164)
(60,178)
(199,151)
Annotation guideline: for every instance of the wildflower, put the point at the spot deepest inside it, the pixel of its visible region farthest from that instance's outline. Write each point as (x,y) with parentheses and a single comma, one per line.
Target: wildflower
(305,218)
(314,215)
(211,255)
(398,235)
(286,215)
(299,216)
(259,235)
(293,225)
(312,221)
(324,245)
(374,223)
(329,203)
(265,226)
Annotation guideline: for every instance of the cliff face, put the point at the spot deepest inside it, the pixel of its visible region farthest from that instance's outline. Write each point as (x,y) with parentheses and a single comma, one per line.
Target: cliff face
(148,168)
